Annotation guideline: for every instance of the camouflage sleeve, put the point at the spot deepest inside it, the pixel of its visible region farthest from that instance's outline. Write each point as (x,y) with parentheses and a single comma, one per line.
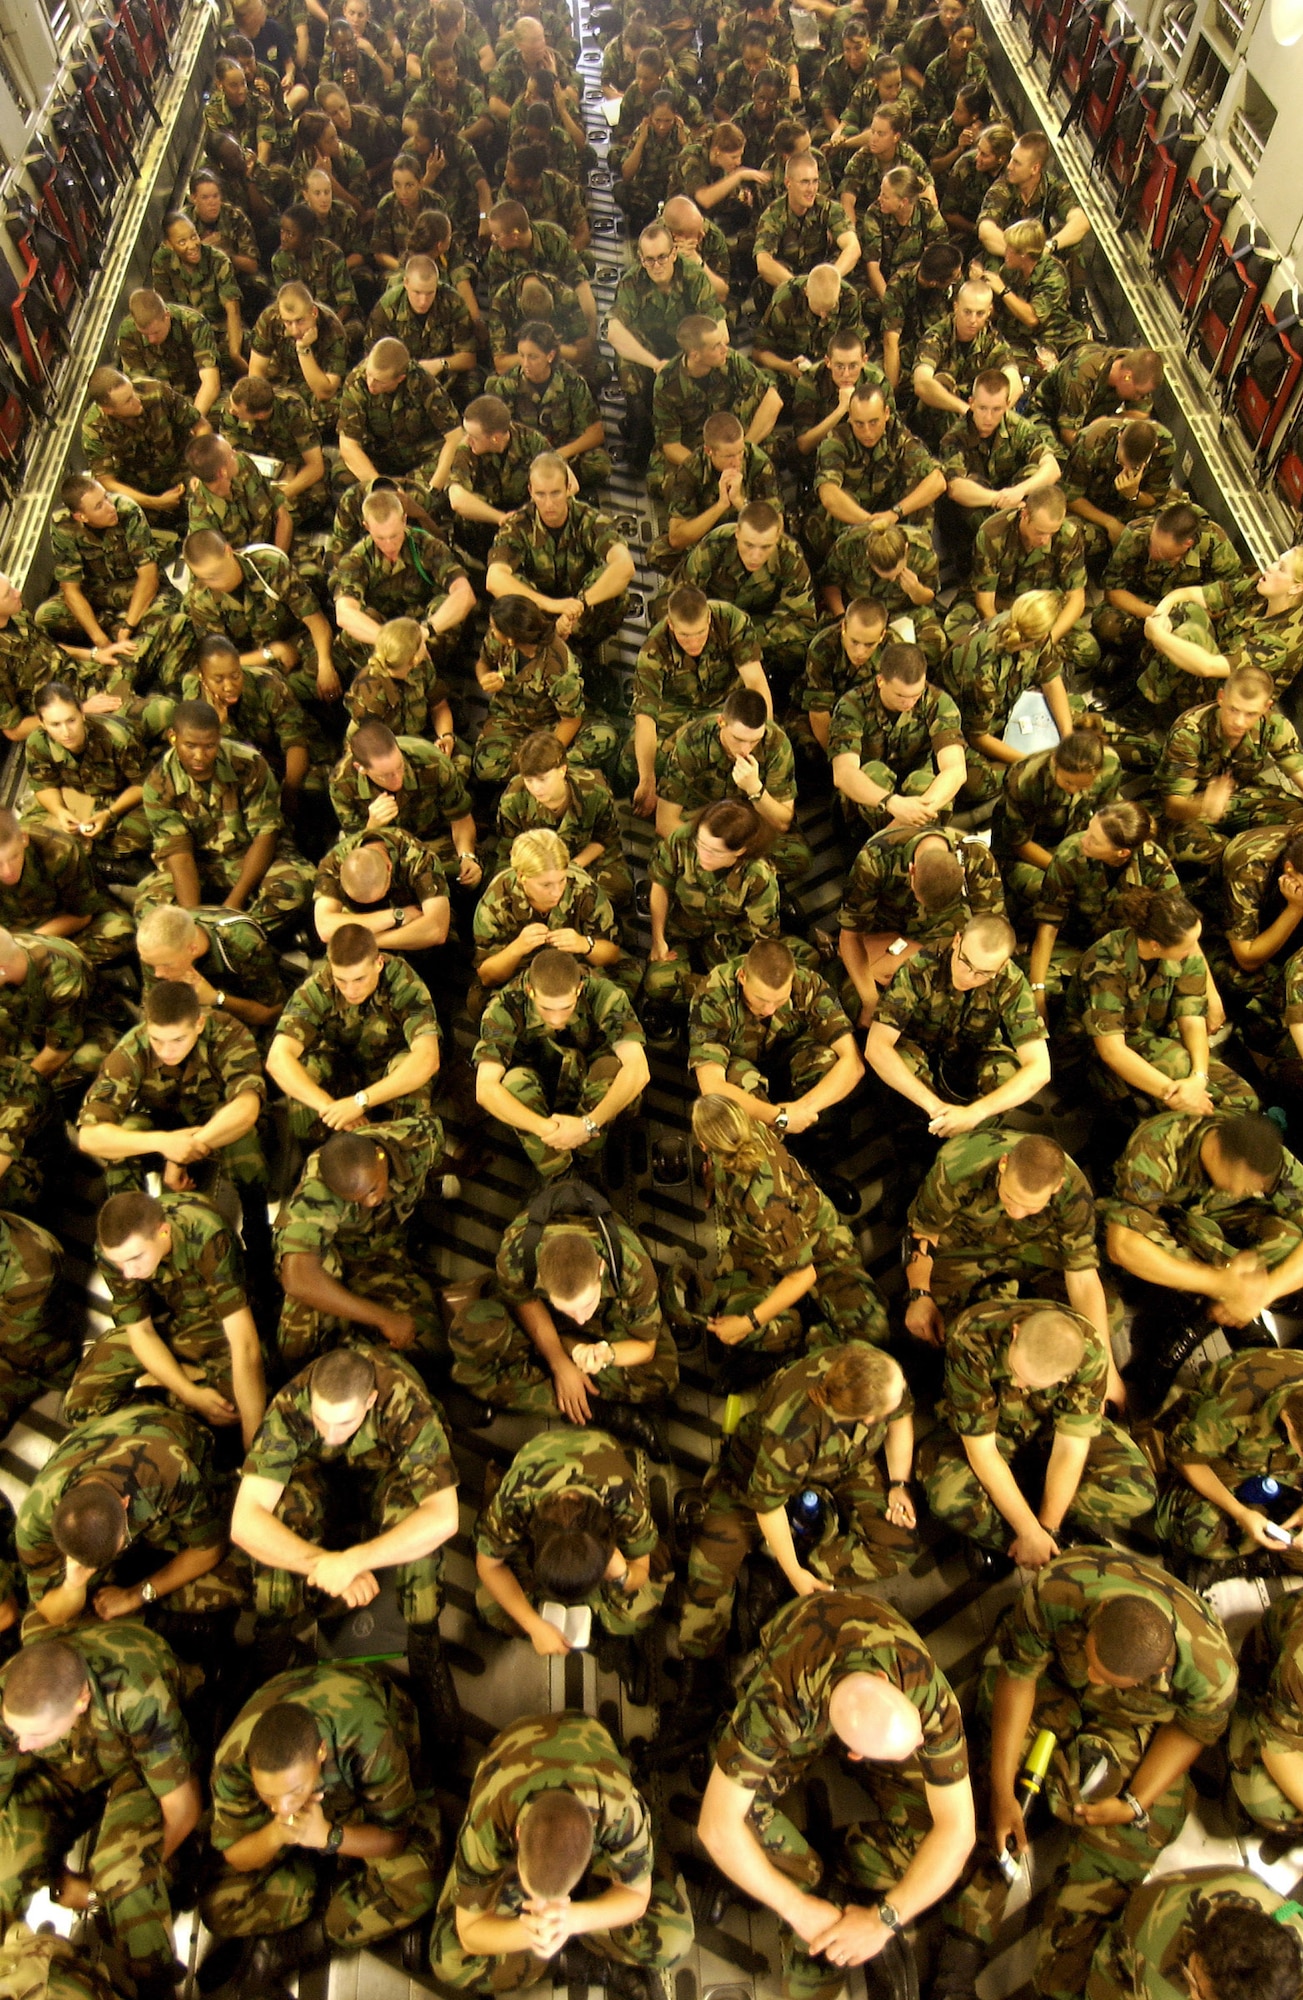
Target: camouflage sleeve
(217,1267)
(830,462)
(276,1450)
(1293,989)
(306,1012)
(66,550)
(169,830)
(147,1715)
(860,896)
(1214,1421)
(116,1084)
(1078,1404)
(780,766)
(1022,1024)
(498,1034)
(939,1199)
(42,771)
(899,1002)
(1204,1681)
(971,1393)
(421,1447)
(1280,1713)
(1179,761)
(985,574)
(1143,1181)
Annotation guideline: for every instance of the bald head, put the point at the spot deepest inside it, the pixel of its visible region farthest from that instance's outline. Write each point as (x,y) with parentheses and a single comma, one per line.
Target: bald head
(874,1720)
(823,287)
(365,874)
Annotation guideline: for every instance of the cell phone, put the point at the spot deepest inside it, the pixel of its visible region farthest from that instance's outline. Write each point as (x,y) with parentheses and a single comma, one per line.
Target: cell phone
(894,950)
(1275,1533)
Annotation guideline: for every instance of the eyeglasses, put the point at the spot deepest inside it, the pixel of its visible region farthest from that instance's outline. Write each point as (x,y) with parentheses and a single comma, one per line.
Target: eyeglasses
(982,972)
(666,257)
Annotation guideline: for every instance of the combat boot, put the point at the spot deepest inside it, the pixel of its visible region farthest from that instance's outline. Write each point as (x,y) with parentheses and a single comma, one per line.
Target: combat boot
(633,1422)
(686,1722)
(959,1961)
(433,1693)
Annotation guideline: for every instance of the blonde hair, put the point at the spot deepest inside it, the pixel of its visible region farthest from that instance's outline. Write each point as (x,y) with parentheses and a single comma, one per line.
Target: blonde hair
(1030,618)
(1051,1347)
(721,1126)
(1292,564)
(396,644)
(1026,239)
(863,1382)
(538,851)
(166,929)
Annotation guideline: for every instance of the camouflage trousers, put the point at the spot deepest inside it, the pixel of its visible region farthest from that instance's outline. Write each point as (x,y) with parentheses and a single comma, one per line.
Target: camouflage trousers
(242,1161)
(1255,1788)
(849,1303)
(675,982)
(325,1510)
(784,642)
(44,1817)
(974,1071)
(1229,1092)
(1078,648)
(860,1546)
(1184,1520)
(1117,1486)
(581,1088)
(365,1901)
(38,1346)
(123,840)
(388,1278)
(874,1854)
(283,891)
(26,1114)
(659,1940)
(1103,1863)
(107,1373)
(620,1612)
(1198,843)
(110,605)
(495,1359)
(593,748)
(910,787)
(48,1968)
(106,938)
(1215,1240)
(337,1075)
(806,1061)
(612,873)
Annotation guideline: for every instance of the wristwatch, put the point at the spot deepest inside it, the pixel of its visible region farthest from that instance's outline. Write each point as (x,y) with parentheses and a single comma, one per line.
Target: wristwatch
(147,1593)
(334,1839)
(592,1127)
(396,919)
(1139,1813)
(781,1120)
(916,1292)
(888,1916)
(219,998)
(360,1097)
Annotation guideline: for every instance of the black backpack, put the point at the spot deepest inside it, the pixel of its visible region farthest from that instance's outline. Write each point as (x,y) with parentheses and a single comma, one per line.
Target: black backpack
(563,1200)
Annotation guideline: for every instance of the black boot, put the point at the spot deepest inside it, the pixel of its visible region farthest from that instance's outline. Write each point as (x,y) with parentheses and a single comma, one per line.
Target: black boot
(959,1961)
(268,1960)
(433,1692)
(686,1723)
(626,1420)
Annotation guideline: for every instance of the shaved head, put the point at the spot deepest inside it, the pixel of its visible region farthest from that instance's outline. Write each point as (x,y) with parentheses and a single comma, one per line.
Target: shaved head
(874,1719)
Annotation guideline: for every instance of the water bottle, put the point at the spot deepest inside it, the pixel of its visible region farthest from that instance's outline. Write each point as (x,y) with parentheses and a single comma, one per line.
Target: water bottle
(805,1513)
(1260,1491)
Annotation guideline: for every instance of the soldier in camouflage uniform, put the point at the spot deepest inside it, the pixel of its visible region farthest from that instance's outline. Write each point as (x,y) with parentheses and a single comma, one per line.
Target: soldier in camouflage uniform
(259,600)
(547,394)
(823,1424)
(557,1046)
(183,1087)
(341,1241)
(106,566)
(899,570)
(835,1674)
(1220,769)
(992,450)
(948,359)
(722,476)
(1089,871)
(1178,548)
(712,896)
(1022,1445)
(393,418)
(1262,885)
(1095,381)
(292,335)
(86,771)
(870,471)
(560,552)
(173,345)
(430,800)
(822,394)
(26,1106)
(803,228)
(133,439)
(257,706)
(347,1735)
(1242,1422)
(799,321)
(216,826)
(1145,1954)
(152,1467)
(1001,659)
(222,953)
(906,884)
(562,1484)
(228,494)
(691,661)
(707,376)
(403,901)
(1192,1193)
(523,1348)
(541,891)
(40,1965)
(534,682)
(1037,548)
(1030,186)
(917,296)
(1169,1693)
(179,1313)
(432,321)
(95,1742)
(364,1412)
(537,1757)
(762,571)
(771,1035)
(518,302)
(44,992)
(189,272)
(1042,284)
(44,875)
(396,569)
(964,1023)
(1264,1729)
(1117,468)
(1214,628)
(649,150)
(895,742)
(39,1345)
(576,804)
(701,765)
(490,467)
(1045,799)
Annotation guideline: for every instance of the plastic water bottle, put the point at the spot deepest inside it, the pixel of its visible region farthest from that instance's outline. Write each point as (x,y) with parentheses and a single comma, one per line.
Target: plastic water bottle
(1260,1491)
(805,1513)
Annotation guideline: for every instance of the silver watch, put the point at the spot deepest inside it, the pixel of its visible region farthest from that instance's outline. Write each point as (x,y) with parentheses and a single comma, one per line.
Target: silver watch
(360,1097)
(890,1918)
(147,1593)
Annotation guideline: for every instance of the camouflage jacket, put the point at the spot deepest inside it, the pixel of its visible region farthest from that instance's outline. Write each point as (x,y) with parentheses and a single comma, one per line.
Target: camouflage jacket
(39,1965)
(790,327)
(848,569)
(560,562)
(1197,750)
(781,587)
(55,882)
(500,478)
(513,1031)
(223,817)
(247,514)
(694,486)
(267,716)
(1161,1177)
(110,761)
(556,199)
(986,678)
(588,817)
(405,705)
(543,1753)
(1011,453)
(1114,991)
(1043,1636)
(878,895)
(178,360)
(780,1726)
(1078,893)
(733,906)
(1247,638)
(630,1310)
(131,1082)
(1211,558)
(398,429)
(1092,467)
(412,584)
(790,1438)
(401,1431)
(965,188)
(207,287)
(1032,807)
(200,1275)
(879,476)
(549,252)
(699,770)
(1251,868)
(799,242)
(672,686)
(891,242)
(288,431)
(1047,290)
(504,911)
(431,798)
(1077,390)
(270,602)
(722,1028)
(774,1215)
(236,957)
(444,328)
(681,402)
(393,223)
(923,1004)
(365,1038)
(314,1222)
(962,360)
(145,451)
(157,1461)
(416,876)
(132,1728)
(329,351)
(865,728)
(97,559)
(48,1007)
(983,1397)
(561,409)
(1005,205)
(1143,1954)
(1003,565)
(909,309)
(364,1725)
(1232,1420)
(958,1208)
(505,314)
(584,1461)
(829,675)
